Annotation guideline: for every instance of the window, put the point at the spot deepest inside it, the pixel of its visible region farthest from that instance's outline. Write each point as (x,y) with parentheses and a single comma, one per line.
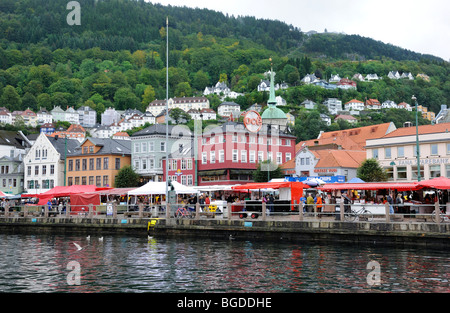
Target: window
(28,170)
(221,156)
(387,153)
(375,153)
(137,147)
(36,170)
(52,169)
(91,180)
(151,163)
(279,158)
(91,164)
(70,165)
(105,181)
(44,170)
(244,156)
(212,156)
(117,163)
(183,180)
(189,180)
(260,156)
(252,157)
(288,142)
(183,164)
(163,146)
(234,138)
(84,164)
(414,172)
(434,149)
(99,164)
(105,163)
(448,150)
(77,180)
(390,173)
(91,149)
(70,181)
(144,147)
(136,165)
(400,152)
(288,156)
(151,146)
(401,172)
(189,164)
(204,158)
(98,181)
(235,156)
(85,150)
(435,171)
(83,180)
(77,165)
(173,165)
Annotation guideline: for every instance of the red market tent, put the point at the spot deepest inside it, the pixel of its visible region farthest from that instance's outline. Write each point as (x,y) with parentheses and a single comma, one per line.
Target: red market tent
(436,183)
(2,194)
(80,202)
(65,191)
(372,186)
(296,187)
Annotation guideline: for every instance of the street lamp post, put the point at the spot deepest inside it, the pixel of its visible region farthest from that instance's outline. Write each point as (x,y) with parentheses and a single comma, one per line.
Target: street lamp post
(417,139)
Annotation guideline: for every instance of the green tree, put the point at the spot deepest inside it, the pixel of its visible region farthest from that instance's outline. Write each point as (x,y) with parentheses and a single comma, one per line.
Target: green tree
(126,177)
(148,96)
(267,170)
(371,171)
(10,98)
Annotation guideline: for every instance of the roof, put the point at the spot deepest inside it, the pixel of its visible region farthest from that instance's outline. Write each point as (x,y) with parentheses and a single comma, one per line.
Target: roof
(349,139)
(345,117)
(272,112)
(423,129)
(339,158)
(108,146)
(156,129)
(60,145)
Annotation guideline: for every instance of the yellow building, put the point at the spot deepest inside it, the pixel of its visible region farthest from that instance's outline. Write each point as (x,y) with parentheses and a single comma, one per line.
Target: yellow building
(97,161)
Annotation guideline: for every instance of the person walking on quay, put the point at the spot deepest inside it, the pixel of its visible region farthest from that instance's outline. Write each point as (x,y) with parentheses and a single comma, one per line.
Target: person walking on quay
(319,203)
(270,202)
(309,203)
(391,202)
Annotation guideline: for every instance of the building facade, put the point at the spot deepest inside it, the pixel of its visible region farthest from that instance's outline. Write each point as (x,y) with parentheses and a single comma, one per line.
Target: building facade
(396,152)
(97,162)
(148,148)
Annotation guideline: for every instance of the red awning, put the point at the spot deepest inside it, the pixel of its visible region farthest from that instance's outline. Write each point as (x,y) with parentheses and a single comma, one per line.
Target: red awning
(64,191)
(274,185)
(371,186)
(436,183)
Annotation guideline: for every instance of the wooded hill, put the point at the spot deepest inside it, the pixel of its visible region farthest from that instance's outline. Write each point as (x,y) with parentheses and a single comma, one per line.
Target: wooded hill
(116,57)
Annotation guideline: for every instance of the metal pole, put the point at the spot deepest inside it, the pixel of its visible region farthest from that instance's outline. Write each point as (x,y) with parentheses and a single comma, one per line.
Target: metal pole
(65,159)
(417,140)
(167,116)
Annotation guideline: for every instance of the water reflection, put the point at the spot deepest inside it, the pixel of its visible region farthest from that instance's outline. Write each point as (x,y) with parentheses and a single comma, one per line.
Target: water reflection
(38,263)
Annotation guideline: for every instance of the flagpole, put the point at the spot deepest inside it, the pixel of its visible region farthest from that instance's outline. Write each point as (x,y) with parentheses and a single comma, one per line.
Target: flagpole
(167,116)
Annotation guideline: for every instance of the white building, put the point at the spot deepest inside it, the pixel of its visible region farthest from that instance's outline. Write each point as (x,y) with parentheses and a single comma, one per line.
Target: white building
(334,105)
(87,116)
(389,104)
(184,103)
(396,152)
(110,116)
(44,117)
(226,108)
(44,163)
(354,105)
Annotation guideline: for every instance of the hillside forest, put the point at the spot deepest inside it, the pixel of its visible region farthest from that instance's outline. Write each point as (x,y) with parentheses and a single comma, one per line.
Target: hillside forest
(116,58)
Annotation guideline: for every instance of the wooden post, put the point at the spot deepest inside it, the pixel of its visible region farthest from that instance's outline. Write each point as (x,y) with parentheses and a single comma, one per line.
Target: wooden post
(264,208)
(6,209)
(67,210)
(197,211)
(25,210)
(229,211)
(341,209)
(91,210)
(437,211)
(300,211)
(45,211)
(141,210)
(387,210)
(167,209)
(114,210)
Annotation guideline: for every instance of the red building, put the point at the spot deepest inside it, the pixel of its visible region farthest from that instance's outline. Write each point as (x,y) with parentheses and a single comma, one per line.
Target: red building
(181,166)
(229,153)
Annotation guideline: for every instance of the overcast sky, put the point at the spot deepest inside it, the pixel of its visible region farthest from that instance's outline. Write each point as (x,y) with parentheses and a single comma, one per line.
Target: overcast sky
(417,25)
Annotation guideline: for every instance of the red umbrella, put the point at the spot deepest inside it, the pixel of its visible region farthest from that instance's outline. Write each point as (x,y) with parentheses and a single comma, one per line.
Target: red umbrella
(436,183)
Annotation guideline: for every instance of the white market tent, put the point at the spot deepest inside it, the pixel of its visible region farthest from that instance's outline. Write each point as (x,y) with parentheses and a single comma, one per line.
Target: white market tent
(159,188)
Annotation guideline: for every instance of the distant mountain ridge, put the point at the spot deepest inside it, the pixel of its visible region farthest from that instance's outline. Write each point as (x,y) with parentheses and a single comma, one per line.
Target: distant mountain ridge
(134,24)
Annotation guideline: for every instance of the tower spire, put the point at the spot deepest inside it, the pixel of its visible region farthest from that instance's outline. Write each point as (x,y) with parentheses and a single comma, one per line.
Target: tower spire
(272,100)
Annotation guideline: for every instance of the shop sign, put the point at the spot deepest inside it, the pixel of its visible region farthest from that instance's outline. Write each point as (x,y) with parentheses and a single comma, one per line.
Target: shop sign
(252,121)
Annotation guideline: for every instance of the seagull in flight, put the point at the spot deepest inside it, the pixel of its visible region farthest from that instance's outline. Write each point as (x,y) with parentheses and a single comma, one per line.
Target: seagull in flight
(78,246)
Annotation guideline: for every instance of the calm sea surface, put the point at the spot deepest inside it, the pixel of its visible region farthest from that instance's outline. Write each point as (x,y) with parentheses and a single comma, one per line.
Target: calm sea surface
(39,263)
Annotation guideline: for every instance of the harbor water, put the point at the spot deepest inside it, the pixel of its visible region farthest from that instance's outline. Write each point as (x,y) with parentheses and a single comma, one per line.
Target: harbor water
(48,263)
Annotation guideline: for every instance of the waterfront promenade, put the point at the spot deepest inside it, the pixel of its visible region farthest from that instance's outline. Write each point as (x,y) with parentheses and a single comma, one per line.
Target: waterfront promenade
(296,226)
